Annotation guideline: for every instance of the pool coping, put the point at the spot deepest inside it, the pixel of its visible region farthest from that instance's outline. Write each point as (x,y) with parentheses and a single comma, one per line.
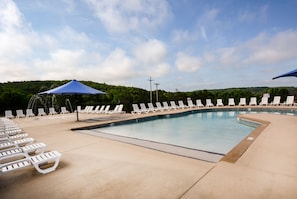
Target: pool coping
(236,152)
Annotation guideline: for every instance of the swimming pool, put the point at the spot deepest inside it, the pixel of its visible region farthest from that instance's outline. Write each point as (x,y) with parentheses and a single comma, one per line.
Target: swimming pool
(213,132)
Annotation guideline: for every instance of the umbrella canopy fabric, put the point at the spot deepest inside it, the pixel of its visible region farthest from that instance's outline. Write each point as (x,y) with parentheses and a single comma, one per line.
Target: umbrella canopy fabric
(73,88)
(289,74)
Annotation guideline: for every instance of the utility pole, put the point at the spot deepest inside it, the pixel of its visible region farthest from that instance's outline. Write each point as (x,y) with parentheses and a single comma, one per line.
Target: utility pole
(151,96)
(157,84)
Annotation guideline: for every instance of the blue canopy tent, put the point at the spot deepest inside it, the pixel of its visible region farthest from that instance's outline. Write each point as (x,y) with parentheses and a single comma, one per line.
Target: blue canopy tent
(289,74)
(73,88)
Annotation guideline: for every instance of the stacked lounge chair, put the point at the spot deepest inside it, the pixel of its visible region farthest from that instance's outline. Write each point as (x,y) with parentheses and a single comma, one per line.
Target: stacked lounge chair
(18,152)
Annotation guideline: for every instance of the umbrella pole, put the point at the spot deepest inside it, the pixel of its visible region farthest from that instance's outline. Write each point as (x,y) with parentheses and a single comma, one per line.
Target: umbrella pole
(75,104)
(77,115)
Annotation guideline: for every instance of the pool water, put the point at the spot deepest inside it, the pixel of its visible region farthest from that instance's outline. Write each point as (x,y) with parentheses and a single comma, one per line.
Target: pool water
(214,131)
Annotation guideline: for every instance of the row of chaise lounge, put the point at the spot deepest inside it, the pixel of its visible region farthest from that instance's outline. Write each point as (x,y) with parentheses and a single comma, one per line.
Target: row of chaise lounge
(51,111)
(103,109)
(29,112)
(18,151)
(143,108)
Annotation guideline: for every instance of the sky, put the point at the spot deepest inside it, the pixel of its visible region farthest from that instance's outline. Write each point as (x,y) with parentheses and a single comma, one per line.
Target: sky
(183,45)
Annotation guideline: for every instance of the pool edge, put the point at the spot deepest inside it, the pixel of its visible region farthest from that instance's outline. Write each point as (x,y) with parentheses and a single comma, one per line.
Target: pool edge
(234,154)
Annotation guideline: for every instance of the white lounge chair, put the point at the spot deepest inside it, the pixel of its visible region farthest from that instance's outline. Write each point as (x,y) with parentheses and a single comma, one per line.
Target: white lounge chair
(242,102)
(88,109)
(52,111)
(166,106)
(85,110)
(143,108)
(136,109)
(101,110)
(181,104)
(29,113)
(10,132)
(231,102)
(16,143)
(173,105)
(253,101)
(159,106)
(22,151)
(276,101)
(64,110)
(289,101)
(118,109)
(151,107)
(219,102)
(190,103)
(209,103)
(96,109)
(264,101)
(106,110)
(13,137)
(41,112)
(199,103)
(8,114)
(37,161)
(20,113)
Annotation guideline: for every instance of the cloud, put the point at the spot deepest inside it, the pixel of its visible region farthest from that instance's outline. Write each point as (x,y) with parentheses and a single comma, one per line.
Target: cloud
(131,15)
(187,63)
(257,14)
(151,56)
(150,52)
(180,36)
(262,50)
(10,16)
(274,49)
(117,66)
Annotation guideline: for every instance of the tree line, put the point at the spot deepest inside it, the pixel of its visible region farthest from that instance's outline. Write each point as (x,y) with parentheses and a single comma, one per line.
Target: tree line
(17,95)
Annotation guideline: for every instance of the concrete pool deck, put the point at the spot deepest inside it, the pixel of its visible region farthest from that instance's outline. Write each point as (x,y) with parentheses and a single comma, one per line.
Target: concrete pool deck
(94,167)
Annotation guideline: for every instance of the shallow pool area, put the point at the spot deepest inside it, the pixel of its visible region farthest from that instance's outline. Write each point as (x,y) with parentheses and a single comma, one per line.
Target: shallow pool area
(216,132)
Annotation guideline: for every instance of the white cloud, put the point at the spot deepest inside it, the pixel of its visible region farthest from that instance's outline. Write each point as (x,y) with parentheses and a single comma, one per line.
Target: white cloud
(151,57)
(10,16)
(187,63)
(179,36)
(266,49)
(151,52)
(117,66)
(132,15)
(257,14)
(261,50)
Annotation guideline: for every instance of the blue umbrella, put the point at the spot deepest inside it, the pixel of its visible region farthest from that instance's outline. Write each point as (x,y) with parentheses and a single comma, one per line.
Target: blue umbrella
(289,74)
(73,88)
